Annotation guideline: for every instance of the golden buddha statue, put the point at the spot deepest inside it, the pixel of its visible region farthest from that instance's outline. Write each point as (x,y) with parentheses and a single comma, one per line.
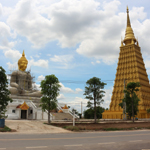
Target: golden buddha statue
(22,62)
(21,80)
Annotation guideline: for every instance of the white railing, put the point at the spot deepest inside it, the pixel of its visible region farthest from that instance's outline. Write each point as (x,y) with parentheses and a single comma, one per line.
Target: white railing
(58,107)
(70,112)
(33,104)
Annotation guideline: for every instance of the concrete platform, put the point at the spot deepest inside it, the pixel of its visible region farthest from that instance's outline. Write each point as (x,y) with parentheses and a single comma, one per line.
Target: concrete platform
(33,126)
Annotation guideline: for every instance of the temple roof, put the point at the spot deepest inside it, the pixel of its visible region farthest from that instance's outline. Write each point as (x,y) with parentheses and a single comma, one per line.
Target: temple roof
(24,106)
(65,107)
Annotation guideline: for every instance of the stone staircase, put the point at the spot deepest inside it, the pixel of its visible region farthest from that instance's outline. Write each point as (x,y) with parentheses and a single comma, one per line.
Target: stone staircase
(36,103)
(62,116)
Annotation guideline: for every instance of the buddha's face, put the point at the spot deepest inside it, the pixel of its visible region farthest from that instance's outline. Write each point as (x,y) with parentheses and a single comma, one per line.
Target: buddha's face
(23,66)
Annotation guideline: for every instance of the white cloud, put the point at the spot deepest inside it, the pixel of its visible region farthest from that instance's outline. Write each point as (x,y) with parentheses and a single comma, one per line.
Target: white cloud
(92,63)
(36,86)
(40,63)
(8,77)
(40,78)
(67,21)
(13,66)
(14,55)
(62,60)
(79,100)
(76,104)
(48,54)
(0,9)
(7,11)
(64,89)
(147,64)
(98,62)
(77,90)
(70,23)
(137,13)
(30,23)
(60,97)
(37,56)
(5,33)
(107,98)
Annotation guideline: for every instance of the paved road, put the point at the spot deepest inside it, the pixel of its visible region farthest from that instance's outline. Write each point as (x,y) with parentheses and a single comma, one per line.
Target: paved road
(122,140)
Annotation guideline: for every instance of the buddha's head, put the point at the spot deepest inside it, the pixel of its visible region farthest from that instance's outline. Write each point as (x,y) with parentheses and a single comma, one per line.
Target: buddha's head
(22,62)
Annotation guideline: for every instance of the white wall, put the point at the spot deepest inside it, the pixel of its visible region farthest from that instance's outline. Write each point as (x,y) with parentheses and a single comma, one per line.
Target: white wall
(36,112)
(10,114)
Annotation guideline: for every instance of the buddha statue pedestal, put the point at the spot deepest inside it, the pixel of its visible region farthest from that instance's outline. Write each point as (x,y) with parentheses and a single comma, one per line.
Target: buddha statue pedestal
(26,100)
(21,81)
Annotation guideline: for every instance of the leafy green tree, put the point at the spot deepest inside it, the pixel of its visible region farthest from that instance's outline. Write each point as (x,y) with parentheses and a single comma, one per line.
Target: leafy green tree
(50,90)
(89,113)
(4,93)
(75,111)
(131,88)
(94,92)
(148,111)
(127,99)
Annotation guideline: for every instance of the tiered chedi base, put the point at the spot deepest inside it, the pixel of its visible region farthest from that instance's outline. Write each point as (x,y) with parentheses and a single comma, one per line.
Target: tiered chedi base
(130,67)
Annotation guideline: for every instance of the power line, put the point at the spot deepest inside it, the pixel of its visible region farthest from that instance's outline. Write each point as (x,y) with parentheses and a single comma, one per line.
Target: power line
(82,82)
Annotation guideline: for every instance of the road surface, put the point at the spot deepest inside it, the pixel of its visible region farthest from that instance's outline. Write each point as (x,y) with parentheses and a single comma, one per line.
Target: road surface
(121,140)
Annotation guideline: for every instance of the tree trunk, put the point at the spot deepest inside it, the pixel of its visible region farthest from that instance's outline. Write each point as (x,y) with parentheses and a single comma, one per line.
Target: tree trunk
(49,122)
(132,108)
(48,116)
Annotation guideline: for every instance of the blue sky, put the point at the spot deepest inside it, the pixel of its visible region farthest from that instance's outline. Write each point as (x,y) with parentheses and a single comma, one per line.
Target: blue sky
(73,39)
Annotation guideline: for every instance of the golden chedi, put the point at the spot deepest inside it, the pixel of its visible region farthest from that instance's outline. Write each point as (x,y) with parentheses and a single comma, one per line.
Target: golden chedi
(21,81)
(132,69)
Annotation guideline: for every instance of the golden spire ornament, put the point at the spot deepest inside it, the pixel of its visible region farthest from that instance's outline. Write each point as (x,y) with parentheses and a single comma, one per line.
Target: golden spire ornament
(129,36)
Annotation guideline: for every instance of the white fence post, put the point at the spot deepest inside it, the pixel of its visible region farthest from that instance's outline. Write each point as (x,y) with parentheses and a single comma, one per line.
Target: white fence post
(73,118)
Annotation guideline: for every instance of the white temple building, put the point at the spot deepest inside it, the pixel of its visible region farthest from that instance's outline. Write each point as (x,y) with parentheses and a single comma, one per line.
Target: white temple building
(26,99)
(27,109)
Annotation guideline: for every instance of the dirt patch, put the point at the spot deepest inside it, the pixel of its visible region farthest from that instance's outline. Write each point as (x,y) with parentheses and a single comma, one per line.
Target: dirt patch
(103,126)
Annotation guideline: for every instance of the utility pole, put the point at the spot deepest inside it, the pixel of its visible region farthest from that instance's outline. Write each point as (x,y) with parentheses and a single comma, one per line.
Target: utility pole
(81,110)
(124,103)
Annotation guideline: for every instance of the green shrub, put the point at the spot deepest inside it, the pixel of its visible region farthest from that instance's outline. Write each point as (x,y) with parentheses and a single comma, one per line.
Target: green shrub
(5,129)
(72,128)
(112,129)
(130,128)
